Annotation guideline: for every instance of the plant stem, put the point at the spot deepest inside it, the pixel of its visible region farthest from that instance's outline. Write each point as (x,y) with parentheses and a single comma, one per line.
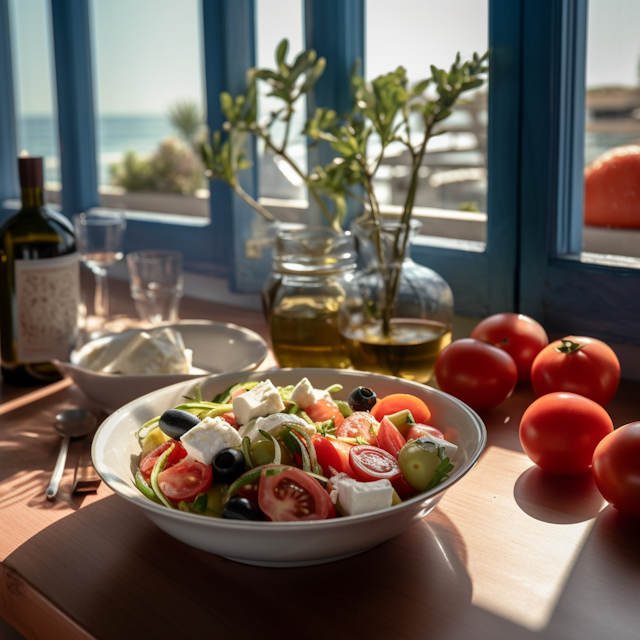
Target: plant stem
(253,203)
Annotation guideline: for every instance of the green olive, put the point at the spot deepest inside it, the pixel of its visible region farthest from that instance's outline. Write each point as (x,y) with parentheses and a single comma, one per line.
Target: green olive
(418,465)
(262,452)
(214,500)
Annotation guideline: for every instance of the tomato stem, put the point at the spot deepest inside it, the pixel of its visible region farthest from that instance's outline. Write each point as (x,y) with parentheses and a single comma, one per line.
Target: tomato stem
(568,346)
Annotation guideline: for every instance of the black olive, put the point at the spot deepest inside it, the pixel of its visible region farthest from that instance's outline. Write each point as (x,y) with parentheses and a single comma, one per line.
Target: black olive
(228,465)
(362,399)
(175,423)
(239,508)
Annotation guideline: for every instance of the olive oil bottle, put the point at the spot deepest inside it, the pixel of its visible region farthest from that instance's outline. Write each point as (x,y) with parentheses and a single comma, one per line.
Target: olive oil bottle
(39,285)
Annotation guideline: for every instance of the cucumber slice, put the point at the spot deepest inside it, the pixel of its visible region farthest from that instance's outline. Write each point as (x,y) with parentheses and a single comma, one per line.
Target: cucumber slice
(402,420)
(158,467)
(145,489)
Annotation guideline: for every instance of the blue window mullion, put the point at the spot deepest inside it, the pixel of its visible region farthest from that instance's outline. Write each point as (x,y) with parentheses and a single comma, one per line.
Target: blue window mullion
(8,142)
(72,49)
(229,46)
(336,30)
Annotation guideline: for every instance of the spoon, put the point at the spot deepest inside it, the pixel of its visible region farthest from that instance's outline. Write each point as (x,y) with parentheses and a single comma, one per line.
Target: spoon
(73,423)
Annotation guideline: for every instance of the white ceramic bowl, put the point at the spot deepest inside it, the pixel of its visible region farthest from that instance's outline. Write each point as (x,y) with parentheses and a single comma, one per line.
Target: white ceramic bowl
(116,453)
(217,348)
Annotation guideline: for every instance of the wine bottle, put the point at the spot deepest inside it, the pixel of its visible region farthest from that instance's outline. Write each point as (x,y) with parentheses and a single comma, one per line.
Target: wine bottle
(39,285)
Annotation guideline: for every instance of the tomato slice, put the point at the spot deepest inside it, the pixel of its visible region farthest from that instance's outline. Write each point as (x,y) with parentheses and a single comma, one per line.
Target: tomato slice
(389,438)
(148,462)
(371,463)
(358,425)
(230,419)
(419,430)
(332,454)
(399,402)
(185,480)
(287,494)
(324,409)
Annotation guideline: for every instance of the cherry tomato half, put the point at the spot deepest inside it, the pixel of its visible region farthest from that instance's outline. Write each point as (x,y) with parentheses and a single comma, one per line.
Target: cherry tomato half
(399,402)
(148,462)
(560,432)
(325,409)
(371,463)
(520,336)
(616,469)
(480,375)
(359,425)
(585,366)
(389,438)
(332,454)
(185,480)
(287,494)
(419,430)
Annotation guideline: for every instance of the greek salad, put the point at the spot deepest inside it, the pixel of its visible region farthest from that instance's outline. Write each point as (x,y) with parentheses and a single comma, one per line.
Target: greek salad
(261,452)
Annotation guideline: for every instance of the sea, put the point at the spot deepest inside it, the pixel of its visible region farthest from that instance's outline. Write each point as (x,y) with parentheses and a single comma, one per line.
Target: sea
(116,135)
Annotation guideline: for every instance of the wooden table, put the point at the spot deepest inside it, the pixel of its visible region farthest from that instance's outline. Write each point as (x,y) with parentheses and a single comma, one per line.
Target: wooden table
(509,552)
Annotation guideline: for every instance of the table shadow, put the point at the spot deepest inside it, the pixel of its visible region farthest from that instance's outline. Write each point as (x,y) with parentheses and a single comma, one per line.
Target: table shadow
(557,499)
(118,575)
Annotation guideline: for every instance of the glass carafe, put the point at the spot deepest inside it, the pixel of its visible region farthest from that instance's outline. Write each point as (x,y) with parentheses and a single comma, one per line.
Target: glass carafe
(398,315)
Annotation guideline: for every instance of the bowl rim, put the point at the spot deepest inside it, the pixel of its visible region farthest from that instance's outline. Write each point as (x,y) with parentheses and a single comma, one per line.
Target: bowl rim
(263,526)
(256,337)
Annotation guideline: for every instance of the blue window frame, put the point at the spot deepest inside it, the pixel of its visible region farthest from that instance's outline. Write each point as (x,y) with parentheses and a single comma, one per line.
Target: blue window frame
(532,260)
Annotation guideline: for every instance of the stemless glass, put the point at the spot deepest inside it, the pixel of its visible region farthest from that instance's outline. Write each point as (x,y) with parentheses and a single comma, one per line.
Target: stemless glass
(99,241)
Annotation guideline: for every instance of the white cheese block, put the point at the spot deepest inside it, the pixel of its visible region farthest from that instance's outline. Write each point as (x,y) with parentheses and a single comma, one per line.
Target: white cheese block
(208,438)
(304,395)
(361,497)
(272,424)
(161,351)
(428,441)
(263,400)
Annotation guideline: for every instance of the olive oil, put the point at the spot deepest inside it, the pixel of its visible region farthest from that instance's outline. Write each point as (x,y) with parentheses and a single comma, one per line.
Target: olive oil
(304,332)
(410,351)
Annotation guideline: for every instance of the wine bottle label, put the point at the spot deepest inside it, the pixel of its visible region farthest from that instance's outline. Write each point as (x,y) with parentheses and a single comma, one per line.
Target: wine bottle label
(47,297)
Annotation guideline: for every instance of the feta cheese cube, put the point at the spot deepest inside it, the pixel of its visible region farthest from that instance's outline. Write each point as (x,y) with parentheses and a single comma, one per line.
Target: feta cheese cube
(304,395)
(450,449)
(208,438)
(361,497)
(272,424)
(262,400)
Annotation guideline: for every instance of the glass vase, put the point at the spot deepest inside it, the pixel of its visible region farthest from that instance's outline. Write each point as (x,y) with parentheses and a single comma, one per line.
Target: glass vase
(312,268)
(397,315)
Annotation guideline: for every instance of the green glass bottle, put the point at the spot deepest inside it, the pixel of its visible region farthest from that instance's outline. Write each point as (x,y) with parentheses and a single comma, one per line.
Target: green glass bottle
(39,285)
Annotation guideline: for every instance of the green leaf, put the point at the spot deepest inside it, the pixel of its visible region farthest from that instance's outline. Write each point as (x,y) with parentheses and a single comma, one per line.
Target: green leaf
(281,54)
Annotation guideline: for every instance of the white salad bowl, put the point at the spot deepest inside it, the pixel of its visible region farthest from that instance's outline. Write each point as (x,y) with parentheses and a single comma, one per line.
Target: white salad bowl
(217,347)
(283,544)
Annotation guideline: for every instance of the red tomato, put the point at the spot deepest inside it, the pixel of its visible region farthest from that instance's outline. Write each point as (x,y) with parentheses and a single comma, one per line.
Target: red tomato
(480,375)
(185,480)
(371,463)
(419,430)
(148,462)
(520,336)
(332,454)
(560,432)
(612,189)
(616,469)
(389,438)
(359,425)
(585,366)
(324,409)
(230,419)
(403,488)
(399,402)
(288,494)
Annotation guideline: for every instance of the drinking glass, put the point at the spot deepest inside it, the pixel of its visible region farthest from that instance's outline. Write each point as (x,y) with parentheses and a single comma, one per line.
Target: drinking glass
(99,241)
(156,284)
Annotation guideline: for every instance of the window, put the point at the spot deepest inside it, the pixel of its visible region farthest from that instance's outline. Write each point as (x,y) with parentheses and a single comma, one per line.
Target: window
(612,207)
(452,197)
(36,118)
(534,254)
(149,105)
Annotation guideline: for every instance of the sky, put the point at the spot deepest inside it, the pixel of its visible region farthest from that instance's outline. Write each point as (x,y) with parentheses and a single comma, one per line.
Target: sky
(147,53)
